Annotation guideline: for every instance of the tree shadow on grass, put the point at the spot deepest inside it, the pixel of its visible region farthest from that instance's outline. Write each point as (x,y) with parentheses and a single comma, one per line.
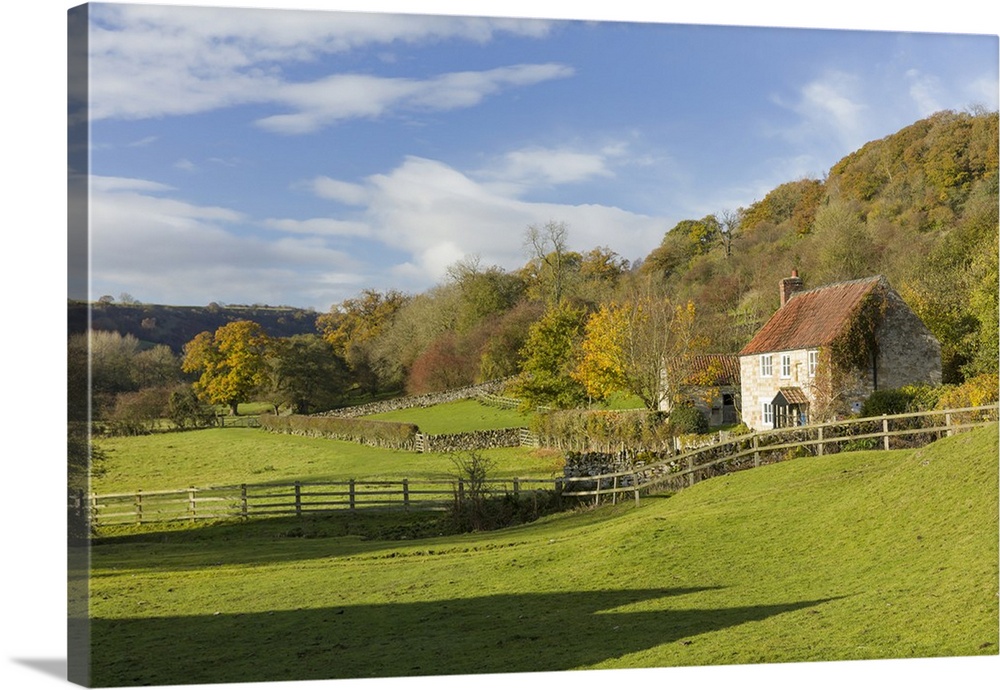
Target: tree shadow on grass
(490,634)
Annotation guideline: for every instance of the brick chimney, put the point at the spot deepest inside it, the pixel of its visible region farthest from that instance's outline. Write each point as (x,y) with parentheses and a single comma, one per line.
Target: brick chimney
(789,286)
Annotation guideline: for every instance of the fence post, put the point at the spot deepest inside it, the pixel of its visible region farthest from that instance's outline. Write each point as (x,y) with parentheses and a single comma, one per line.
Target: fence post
(756,452)
(885,432)
(244,507)
(461,491)
(690,464)
(947,423)
(138,506)
(351,495)
(819,446)
(614,491)
(192,506)
(635,487)
(298,499)
(517,488)
(406,494)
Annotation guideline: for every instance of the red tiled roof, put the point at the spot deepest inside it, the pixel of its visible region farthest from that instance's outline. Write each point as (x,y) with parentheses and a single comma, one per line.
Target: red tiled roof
(813,318)
(794,396)
(711,370)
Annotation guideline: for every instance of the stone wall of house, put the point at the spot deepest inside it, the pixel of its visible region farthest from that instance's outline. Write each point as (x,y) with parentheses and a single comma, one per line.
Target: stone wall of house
(908,353)
(758,389)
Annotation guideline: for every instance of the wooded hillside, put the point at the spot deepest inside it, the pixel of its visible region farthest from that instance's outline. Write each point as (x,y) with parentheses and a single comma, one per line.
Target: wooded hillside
(919,206)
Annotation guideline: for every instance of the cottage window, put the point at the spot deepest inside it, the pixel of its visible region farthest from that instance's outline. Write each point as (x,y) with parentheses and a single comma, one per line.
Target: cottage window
(813,362)
(786,366)
(766,365)
(768,413)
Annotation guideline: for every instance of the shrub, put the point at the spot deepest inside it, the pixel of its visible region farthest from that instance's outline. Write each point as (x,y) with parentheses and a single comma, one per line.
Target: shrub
(605,430)
(480,507)
(890,401)
(186,411)
(370,432)
(688,419)
(138,413)
(975,392)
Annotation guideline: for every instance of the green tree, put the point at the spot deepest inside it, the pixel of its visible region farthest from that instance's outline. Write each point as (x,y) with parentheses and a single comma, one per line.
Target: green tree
(549,358)
(232,362)
(307,374)
(484,292)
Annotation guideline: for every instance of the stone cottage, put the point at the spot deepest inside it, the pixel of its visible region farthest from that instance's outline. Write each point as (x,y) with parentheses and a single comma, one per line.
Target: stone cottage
(827,349)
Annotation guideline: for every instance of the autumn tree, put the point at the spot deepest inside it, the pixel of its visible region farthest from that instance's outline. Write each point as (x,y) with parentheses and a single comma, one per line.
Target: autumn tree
(448,362)
(683,242)
(500,355)
(414,326)
(627,345)
(232,363)
(352,327)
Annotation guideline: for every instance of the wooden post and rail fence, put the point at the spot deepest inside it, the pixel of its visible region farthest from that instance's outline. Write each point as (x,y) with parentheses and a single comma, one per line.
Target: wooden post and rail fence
(671,473)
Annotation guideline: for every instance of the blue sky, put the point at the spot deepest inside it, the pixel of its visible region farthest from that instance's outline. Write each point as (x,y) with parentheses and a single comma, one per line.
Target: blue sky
(298,157)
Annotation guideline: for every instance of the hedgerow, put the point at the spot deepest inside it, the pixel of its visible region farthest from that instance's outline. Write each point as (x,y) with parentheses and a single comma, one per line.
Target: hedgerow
(603,430)
(396,435)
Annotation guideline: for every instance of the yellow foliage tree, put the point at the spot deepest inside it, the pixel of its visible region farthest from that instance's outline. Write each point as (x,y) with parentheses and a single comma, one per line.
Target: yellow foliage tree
(627,344)
(232,363)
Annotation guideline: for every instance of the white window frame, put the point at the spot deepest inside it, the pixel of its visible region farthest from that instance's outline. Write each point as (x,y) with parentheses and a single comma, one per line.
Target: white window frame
(766,365)
(768,412)
(786,366)
(813,361)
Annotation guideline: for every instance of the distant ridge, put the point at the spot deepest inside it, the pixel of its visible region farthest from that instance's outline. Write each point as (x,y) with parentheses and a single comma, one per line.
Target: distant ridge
(175,326)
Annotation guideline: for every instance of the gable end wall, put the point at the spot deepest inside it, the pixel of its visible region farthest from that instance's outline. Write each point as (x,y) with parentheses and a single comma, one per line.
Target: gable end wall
(908,353)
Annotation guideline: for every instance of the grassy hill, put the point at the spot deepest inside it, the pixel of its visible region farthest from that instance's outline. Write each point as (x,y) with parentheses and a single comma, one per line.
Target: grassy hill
(849,556)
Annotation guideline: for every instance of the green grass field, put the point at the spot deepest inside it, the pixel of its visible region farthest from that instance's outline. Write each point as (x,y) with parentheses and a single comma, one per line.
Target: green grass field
(456,417)
(220,457)
(851,556)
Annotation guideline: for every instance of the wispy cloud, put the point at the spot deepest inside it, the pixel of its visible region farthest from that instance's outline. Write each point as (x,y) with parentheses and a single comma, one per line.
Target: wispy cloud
(829,106)
(345,96)
(924,90)
(547,166)
(149,61)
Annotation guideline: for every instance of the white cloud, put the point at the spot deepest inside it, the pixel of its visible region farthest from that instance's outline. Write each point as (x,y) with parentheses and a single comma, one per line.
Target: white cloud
(344,192)
(924,90)
(329,227)
(164,249)
(831,106)
(150,61)
(344,96)
(435,215)
(534,166)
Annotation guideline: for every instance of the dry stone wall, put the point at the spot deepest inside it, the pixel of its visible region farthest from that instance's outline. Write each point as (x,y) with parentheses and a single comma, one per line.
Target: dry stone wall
(428,400)
(472,441)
